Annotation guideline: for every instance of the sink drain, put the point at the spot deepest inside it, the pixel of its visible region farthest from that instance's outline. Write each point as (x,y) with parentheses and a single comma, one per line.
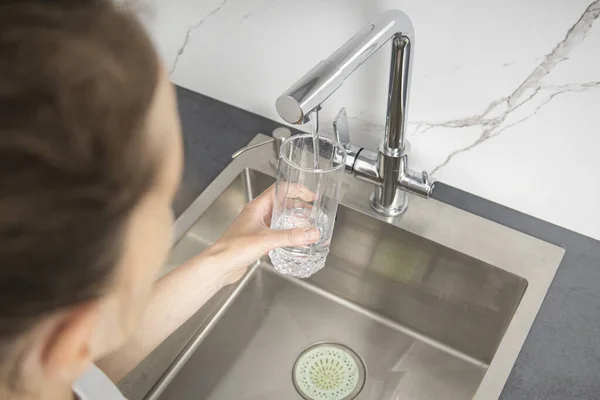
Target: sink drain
(329,371)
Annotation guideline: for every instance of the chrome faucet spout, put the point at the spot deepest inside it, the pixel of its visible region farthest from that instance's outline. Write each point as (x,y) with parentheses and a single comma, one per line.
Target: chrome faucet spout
(327,76)
(387,167)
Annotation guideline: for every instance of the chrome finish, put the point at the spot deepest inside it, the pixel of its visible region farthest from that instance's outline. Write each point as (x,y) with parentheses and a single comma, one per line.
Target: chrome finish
(342,135)
(422,187)
(279,136)
(244,149)
(401,64)
(327,76)
(366,167)
(307,95)
(438,302)
(351,157)
(340,127)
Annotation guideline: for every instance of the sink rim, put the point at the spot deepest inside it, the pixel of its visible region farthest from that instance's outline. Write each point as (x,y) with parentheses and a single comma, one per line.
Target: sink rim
(512,251)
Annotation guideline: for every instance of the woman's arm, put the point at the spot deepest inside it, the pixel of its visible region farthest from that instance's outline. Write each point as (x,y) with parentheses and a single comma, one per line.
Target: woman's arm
(179,294)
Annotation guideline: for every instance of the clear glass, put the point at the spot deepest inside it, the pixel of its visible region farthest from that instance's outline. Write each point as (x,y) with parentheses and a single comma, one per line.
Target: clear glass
(307,195)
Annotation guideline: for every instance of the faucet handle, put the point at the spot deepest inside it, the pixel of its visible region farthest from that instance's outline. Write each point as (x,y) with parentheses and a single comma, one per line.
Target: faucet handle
(340,127)
(342,136)
(425,178)
(411,182)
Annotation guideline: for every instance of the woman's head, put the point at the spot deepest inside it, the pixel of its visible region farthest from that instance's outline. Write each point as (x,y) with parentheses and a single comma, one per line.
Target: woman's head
(89,163)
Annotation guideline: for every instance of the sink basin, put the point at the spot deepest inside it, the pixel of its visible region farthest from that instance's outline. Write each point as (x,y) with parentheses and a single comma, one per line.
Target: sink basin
(435,304)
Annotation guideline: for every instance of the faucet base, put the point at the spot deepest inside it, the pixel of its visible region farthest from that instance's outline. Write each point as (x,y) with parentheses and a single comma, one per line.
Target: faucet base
(388,211)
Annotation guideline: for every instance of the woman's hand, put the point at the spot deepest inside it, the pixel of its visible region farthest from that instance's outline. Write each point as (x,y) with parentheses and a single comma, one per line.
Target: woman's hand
(180,293)
(250,237)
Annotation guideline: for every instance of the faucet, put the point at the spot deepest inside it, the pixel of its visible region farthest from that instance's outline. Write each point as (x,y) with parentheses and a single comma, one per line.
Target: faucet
(386,168)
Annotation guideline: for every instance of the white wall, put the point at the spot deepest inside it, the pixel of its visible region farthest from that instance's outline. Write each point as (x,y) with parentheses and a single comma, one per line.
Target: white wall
(539,157)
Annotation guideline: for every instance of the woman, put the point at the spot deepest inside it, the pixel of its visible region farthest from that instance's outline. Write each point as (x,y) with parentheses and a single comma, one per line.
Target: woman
(90,159)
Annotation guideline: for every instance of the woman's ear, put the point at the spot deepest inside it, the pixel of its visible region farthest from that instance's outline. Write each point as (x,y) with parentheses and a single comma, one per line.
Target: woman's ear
(66,347)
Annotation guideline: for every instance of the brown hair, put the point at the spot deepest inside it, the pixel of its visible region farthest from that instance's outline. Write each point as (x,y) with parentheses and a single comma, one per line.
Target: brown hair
(76,81)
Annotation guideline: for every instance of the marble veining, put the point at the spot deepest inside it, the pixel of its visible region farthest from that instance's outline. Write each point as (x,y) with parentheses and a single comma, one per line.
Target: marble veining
(193,28)
(503,113)
(525,74)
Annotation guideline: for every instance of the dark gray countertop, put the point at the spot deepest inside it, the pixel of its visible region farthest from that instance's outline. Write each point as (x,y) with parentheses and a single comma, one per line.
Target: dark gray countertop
(561,356)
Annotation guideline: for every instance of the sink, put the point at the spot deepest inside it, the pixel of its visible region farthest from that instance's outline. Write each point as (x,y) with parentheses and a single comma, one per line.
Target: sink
(435,304)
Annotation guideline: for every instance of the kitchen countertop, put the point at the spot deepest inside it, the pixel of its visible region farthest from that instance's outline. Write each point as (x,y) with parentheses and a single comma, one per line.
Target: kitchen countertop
(561,356)
(504,95)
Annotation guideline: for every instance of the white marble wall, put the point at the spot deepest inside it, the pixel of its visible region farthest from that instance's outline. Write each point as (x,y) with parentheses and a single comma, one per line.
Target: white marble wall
(505,98)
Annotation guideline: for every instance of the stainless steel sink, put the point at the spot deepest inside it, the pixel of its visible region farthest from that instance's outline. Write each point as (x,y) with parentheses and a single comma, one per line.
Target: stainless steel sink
(437,303)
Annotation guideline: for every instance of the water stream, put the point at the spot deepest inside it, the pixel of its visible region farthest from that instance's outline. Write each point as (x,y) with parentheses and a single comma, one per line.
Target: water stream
(314,119)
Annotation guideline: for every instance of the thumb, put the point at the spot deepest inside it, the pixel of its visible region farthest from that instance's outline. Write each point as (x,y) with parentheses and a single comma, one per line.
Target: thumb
(274,238)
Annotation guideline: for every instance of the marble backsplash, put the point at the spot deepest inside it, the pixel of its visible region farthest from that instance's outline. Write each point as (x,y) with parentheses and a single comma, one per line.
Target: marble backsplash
(505,95)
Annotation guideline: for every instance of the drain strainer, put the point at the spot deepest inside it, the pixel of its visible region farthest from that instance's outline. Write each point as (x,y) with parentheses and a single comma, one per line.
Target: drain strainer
(329,371)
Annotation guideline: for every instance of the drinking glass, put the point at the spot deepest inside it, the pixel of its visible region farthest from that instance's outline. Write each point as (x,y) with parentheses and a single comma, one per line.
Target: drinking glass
(309,181)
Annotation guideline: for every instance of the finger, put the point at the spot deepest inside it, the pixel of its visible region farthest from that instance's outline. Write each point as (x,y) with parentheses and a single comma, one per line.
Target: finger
(264,202)
(274,238)
(301,210)
(298,204)
(268,193)
(286,189)
(298,191)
